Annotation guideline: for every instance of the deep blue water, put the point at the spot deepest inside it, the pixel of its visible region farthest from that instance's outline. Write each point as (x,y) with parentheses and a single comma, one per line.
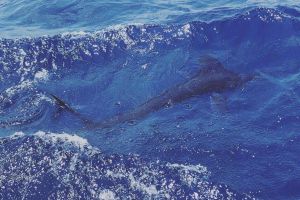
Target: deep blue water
(107,58)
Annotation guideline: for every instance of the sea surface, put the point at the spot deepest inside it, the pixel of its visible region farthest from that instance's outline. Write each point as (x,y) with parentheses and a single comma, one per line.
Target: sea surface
(105,58)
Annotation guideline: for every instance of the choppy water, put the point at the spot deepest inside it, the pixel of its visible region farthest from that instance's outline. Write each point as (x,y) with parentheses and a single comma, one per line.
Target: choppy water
(105,59)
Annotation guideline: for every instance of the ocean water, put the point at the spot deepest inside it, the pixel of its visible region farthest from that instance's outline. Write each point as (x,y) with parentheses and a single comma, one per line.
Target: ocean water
(106,58)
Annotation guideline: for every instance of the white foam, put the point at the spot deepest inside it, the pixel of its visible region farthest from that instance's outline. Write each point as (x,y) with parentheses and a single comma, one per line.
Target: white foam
(150,189)
(68,167)
(75,33)
(192,168)
(17,134)
(74,139)
(41,75)
(23,85)
(144,66)
(107,195)
(187,29)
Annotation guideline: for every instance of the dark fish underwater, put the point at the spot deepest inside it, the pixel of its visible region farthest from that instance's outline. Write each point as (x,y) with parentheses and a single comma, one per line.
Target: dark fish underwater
(212,78)
(99,103)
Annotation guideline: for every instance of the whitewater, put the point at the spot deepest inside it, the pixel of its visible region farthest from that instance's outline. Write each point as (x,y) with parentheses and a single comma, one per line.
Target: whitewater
(104,59)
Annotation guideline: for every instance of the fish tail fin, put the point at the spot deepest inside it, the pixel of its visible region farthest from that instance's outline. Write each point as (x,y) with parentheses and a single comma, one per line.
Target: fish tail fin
(63,105)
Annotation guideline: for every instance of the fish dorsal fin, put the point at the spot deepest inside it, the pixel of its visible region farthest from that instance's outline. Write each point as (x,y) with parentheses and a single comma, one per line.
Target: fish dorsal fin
(210,65)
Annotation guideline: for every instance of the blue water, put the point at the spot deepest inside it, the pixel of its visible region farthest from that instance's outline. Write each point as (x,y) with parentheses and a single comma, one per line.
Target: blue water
(107,58)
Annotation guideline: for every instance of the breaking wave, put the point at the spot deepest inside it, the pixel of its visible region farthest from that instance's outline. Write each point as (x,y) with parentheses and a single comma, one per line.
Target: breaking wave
(64,166)
(31,68)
